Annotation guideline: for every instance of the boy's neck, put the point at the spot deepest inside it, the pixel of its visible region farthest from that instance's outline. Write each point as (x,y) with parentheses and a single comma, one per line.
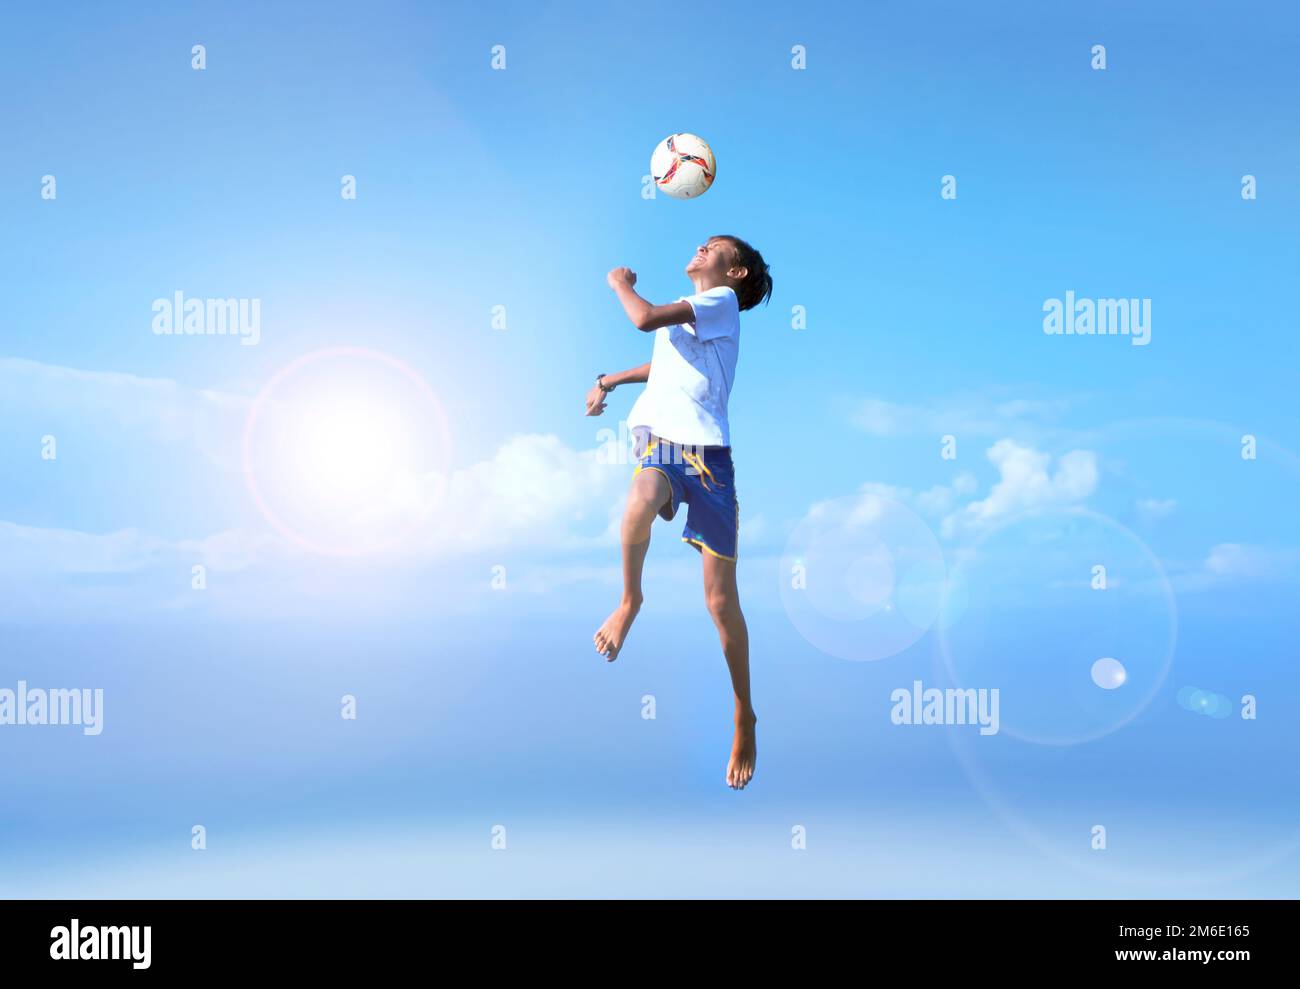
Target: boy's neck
(704,284)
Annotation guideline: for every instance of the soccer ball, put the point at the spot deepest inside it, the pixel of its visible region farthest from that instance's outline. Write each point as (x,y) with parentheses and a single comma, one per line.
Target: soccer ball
(683,166)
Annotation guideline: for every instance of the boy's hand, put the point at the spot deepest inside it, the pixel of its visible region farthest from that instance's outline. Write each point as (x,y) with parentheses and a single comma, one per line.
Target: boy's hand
(621,276)
(596,400)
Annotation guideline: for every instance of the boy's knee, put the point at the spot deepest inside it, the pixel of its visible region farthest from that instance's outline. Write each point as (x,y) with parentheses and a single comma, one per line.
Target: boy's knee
(721,604)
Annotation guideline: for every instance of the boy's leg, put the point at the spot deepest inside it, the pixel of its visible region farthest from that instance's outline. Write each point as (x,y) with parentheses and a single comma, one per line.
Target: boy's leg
(723,599)
(650,489)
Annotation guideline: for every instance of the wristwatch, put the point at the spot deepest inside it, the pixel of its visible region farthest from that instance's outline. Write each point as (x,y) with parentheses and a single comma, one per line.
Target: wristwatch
(600,383)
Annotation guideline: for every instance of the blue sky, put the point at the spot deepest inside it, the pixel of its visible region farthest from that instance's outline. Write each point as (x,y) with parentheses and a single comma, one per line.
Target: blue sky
(508,194)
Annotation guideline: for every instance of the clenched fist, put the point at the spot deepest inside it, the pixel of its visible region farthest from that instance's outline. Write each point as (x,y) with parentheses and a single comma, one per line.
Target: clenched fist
(621,276)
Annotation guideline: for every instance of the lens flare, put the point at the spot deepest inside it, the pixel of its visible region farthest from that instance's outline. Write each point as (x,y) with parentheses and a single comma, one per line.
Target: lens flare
(863,578)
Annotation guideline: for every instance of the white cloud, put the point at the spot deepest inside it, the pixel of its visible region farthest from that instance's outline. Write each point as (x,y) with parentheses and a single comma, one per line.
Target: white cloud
(1227,563)
(30,551)
(880,418)
(935,501)
(975,415)
(1026,482)
(233,549)
(156,409)
(26,551)
(941,499)
(1154,509)
(1232,560)
(535,492)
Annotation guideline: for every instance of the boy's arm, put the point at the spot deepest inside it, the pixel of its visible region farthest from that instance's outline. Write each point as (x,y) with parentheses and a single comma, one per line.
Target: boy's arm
(596,397)
(644,315)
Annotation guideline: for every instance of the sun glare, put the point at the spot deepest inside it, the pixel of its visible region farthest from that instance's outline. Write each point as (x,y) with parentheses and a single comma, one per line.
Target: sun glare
(344,453)
(344,450)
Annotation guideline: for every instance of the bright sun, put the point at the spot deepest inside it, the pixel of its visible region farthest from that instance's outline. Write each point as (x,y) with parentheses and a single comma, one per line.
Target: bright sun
(345,451)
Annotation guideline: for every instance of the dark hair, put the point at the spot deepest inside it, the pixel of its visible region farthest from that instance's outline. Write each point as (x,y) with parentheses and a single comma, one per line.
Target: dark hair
(757,286)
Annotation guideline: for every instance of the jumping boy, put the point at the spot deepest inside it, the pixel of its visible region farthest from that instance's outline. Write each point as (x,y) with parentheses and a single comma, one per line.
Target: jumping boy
(683,450)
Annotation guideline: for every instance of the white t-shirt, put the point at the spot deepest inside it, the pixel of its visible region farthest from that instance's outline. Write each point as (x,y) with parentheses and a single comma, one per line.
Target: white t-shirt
(691,373)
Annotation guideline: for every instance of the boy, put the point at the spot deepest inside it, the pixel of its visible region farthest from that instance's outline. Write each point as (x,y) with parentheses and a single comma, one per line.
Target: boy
(683,450)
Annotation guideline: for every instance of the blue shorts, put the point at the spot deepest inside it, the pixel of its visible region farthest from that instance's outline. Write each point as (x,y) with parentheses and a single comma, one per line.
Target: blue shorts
(704,478)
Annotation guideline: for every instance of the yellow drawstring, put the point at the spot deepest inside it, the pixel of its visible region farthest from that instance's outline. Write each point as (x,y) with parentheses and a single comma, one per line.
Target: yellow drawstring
(696,461)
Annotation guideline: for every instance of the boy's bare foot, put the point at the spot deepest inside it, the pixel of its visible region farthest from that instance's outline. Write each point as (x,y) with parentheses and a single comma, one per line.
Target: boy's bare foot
(744,753)
(609,637)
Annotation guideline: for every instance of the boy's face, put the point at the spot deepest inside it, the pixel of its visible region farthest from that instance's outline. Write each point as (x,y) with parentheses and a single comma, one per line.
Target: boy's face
(712,261)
